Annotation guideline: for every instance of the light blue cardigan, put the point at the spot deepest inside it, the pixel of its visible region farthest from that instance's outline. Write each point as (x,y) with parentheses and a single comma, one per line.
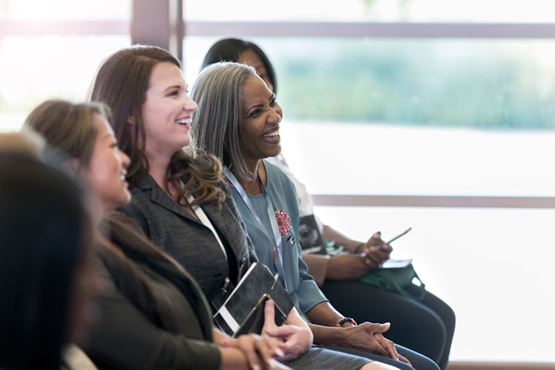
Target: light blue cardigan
(300,285)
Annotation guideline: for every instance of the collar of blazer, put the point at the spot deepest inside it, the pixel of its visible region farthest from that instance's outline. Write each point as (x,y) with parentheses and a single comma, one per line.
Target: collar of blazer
(160,197)
(221,219)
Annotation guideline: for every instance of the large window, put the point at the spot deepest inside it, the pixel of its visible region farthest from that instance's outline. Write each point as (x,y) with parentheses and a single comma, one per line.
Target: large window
(406,102)
(435,117)
(51,49)
(372,10)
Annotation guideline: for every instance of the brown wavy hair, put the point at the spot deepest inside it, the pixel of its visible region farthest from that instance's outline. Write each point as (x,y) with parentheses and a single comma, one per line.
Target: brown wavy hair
(121,83)
(67,126)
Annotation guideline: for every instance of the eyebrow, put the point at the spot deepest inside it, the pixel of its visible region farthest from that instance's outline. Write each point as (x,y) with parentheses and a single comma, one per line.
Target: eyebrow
(261,104)
(173,87)
(108,136)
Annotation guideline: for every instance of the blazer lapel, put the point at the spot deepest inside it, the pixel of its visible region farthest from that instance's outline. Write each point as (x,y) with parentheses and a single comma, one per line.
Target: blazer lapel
(160,197)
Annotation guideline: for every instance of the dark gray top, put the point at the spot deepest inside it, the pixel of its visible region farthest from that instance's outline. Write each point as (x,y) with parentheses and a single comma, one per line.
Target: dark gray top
(124,337)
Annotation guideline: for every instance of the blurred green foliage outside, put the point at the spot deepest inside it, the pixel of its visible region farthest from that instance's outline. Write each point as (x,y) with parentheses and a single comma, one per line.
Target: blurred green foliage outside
(489,84)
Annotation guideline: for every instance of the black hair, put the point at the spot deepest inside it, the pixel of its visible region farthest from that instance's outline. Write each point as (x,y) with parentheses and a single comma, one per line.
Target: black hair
(44,227)
(228,50)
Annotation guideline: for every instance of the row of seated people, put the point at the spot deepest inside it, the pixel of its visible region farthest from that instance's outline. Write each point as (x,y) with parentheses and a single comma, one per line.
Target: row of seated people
(166,258)
(339,275)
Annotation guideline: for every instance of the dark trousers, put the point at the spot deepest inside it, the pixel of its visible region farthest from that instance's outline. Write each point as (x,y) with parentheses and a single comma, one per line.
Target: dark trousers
(426,327)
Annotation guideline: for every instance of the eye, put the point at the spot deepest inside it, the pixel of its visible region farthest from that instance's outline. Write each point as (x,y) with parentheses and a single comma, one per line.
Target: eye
(254,113)
(273,101)
(173,92)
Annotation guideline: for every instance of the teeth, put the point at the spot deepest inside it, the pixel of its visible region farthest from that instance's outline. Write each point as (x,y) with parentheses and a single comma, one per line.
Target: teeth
(184,121)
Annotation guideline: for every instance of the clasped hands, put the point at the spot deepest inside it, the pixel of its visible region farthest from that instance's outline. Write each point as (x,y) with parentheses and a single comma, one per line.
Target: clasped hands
(274,344)
(369,337)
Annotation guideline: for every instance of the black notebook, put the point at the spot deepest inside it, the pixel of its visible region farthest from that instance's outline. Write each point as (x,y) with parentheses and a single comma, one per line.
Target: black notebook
(243,311)
(310,237)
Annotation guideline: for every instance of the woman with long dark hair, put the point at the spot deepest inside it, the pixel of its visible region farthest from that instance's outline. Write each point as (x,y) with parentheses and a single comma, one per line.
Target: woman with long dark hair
(45,247)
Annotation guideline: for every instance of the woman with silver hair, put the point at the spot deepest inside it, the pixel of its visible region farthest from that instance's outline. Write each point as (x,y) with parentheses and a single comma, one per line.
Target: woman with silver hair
(338,275)
(238,121)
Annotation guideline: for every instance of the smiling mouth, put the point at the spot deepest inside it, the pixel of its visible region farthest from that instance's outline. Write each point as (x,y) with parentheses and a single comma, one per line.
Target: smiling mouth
(184,121)
(272,137)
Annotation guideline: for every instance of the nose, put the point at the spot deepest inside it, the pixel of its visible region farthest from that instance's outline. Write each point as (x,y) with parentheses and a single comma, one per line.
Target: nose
(190,105)
(277,114)
(124,158)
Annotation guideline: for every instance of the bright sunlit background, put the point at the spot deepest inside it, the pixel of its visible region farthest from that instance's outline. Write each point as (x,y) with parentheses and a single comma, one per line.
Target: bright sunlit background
(378,116)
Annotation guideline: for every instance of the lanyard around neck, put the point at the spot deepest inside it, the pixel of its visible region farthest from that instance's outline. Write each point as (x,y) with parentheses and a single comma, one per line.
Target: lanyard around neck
(206,222)
(277,250)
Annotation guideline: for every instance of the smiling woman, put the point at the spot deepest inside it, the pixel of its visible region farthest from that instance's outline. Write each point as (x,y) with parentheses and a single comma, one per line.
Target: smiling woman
(242,132)
(167,110)
(262,116)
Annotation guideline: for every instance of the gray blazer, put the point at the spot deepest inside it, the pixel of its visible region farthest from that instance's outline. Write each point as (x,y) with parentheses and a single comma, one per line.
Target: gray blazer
(191,243)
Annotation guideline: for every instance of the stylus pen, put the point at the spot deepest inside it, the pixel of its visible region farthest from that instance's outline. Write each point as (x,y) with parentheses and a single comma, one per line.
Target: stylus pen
(400,235)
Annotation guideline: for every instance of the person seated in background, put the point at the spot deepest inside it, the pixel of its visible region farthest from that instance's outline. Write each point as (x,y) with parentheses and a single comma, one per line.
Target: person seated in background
(45,271)
(179,198)
(152,314)
(238,121)
(339,275)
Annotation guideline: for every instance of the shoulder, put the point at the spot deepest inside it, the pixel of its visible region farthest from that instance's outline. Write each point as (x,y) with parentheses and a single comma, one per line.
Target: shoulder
(279,184)
(142,189)
(276,176)
(107,268)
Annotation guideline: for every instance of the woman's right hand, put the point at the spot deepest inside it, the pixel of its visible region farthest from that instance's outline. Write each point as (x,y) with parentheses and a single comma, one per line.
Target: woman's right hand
(296,339)
(261,351)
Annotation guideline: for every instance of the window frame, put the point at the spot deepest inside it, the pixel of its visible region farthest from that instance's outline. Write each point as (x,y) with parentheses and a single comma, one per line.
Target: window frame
(163,25)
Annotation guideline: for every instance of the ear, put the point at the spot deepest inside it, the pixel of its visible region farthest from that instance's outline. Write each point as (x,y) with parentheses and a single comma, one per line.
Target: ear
(131,120)
(73,165)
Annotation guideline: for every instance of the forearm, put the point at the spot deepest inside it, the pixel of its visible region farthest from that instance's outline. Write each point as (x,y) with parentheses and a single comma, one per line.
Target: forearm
(233,359)
(331,234)
(328,336)
(324,314)
(317,267)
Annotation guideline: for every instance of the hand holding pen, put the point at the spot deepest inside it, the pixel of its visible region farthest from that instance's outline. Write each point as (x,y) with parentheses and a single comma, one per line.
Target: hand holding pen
(377,251)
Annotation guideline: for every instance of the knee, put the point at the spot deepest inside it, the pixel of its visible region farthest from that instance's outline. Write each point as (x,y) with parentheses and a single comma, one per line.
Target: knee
(377,366)
(450,319)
